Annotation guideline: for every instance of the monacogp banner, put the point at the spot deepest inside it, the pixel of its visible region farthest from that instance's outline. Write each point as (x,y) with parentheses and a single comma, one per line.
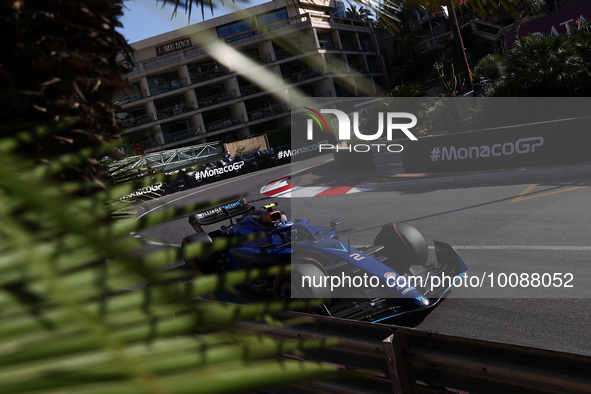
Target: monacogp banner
(535,144)
(188,178)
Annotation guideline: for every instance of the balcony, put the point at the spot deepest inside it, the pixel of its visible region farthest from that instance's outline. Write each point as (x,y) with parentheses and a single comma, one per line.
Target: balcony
(343,93)
(250,89)
(137,147)
(328,93)
(216,99)
(373,69)
(209,75)
(182,135)
(160,60)
(294,51)
(368,47)
(267,112)
(136,121)
(167,87)
(224,123)
(263,59)
(294,21)
(347,46)
(343,21)
(129,97)
(176,110)
(327,45)
(195,51)
(301,76)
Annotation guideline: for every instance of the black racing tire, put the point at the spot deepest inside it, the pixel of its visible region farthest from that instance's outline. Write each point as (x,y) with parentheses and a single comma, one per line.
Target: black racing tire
(291,285)
(205,262)
(403,245)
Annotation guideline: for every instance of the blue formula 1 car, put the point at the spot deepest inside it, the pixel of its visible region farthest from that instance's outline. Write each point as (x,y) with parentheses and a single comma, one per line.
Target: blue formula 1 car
(373,283)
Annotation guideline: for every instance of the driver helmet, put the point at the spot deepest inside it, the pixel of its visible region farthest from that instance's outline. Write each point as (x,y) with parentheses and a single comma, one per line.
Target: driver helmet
(271,218)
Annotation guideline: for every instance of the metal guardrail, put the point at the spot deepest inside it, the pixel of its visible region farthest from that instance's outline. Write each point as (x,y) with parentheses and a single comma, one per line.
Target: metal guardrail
(403,360)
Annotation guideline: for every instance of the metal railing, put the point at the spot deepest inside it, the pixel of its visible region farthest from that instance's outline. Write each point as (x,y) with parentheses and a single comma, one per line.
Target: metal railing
(182,135)
(374,69)
(209,74)
(343,93)
(224,123)
(402,360)
(266,112)
(348,21)
(144,145)
(285,23)
(167,87)
(250,89)
(160,60)
(129,97)
(301,76)
(178,109)
(327,45)
(328,93)
(216,99)
(263,59)
(294,51)
(135,121)
(348,46)
(368,48)
(195,51)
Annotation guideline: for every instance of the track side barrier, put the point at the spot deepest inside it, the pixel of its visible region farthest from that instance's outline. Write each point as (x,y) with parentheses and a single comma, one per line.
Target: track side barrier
(555,142)
(545,143)
(403,360)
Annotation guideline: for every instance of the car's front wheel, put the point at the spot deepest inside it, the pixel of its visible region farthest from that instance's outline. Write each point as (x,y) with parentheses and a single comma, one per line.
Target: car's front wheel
(307,280)
(403,245)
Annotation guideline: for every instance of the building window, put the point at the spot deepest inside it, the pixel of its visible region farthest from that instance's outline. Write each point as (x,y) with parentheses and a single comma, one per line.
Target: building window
(235,28)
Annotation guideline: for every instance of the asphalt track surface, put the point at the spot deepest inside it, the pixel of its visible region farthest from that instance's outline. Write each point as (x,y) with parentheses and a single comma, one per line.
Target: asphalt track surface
(527,225)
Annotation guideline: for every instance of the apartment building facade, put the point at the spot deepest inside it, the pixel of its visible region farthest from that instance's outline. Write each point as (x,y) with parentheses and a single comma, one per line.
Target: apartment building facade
(233,76)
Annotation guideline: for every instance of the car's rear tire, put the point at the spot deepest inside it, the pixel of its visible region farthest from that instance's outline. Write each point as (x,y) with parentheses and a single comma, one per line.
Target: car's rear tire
(205,262)
(403,245)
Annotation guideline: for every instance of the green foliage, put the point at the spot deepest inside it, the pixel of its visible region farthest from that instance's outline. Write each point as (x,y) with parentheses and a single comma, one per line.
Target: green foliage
(492,67)
(60,66)
(76,316)
(449,84)
(277,137)
(543,66)
(407,91)
(68,323)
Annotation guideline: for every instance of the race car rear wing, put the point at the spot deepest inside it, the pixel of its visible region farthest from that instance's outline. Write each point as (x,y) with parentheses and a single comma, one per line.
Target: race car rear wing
(220,213)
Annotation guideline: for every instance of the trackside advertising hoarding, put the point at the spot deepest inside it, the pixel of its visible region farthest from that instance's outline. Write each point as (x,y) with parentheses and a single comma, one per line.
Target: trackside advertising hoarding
(530,132)
(515,237)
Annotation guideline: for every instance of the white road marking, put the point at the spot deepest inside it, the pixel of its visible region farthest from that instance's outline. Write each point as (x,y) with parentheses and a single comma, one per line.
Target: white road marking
(521,247)
(309,191)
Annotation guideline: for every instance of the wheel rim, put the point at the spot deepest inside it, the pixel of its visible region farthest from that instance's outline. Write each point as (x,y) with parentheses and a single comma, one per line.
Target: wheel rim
(285,290)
